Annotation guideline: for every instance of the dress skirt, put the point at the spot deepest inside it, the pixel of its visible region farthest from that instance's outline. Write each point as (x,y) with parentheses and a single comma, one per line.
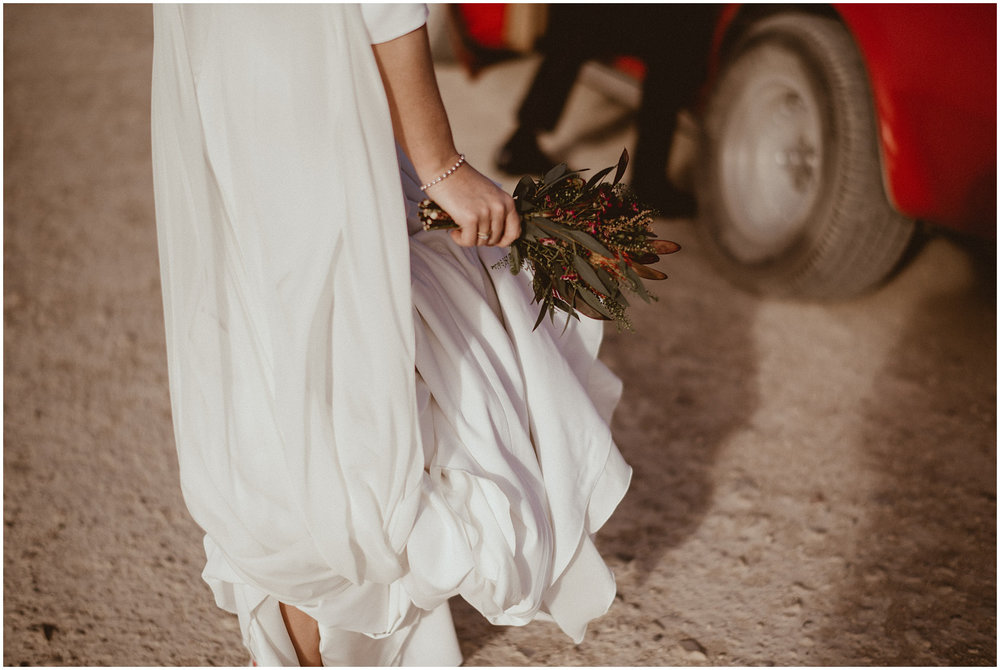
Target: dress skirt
(366,423)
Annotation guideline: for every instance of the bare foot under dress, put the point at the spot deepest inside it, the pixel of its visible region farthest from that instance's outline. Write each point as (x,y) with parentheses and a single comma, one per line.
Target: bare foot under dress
(366,424)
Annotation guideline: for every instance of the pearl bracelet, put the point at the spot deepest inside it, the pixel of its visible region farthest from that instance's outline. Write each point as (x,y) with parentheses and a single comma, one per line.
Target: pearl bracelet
(447,173)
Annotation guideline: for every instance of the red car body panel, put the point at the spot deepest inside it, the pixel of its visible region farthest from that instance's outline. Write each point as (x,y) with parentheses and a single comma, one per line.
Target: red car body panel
(934,80)
(484,22)
(932,70)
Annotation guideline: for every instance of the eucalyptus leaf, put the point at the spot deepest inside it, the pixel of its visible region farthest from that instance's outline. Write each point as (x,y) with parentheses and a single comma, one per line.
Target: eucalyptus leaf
(541,315)
(541,287)
(524,187)
(594,302)
(555,173)
(636,283)
(663,247)
(561,287)
(564,232)
(647,273)
(590,242)
(549,185)
(564,306)
(581,306)
(645,258)
(553,229)
(531,230)
(610,281)
(569,315)
(587,274)
(622,164)
(596,179)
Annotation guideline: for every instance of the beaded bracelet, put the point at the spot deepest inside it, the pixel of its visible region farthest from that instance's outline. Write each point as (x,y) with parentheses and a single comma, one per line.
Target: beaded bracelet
(447,173)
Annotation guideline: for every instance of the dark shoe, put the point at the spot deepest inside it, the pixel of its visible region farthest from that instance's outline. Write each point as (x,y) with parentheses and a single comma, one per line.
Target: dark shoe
(521,156)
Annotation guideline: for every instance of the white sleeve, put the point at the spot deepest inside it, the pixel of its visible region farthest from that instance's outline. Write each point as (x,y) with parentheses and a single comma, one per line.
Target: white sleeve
(387,21)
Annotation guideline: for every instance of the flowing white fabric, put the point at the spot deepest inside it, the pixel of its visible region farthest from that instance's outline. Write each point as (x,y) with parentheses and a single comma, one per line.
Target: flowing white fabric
(366,424)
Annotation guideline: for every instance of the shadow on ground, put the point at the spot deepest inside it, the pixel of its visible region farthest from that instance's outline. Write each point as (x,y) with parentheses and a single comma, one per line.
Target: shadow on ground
(924,581)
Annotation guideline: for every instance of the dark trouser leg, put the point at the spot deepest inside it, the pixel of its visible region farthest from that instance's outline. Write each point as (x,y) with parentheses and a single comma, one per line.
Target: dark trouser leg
(575,34)
(666,91)
(674,44)
(540,111)
(543,104)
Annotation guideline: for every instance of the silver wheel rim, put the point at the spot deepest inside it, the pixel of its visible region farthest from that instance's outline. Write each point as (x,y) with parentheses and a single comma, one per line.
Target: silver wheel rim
(771,155)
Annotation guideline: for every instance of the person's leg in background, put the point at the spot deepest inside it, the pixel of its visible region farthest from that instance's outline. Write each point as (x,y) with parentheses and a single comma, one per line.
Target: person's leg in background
(575,34)
(673,41)
(539,112)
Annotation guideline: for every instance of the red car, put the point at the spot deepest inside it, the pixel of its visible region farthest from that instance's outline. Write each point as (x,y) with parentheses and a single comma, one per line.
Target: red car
(829,131)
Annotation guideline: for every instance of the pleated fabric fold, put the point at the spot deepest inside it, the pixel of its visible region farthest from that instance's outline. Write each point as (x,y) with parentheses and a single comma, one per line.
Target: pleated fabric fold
(366,424)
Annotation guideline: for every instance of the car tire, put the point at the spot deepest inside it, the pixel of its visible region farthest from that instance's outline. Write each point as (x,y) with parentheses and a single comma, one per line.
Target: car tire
(789,181)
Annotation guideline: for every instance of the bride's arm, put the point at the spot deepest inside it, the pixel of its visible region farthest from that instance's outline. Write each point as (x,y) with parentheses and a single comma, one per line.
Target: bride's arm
(421,126)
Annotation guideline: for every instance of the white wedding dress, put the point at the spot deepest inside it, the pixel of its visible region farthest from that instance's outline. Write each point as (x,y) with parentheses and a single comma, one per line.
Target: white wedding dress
(366,424)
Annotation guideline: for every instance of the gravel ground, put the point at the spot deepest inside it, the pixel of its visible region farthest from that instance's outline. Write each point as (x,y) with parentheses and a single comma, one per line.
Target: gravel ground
(815,484)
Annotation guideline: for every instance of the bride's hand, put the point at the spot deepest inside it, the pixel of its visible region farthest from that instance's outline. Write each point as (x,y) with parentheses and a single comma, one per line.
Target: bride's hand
(484,213)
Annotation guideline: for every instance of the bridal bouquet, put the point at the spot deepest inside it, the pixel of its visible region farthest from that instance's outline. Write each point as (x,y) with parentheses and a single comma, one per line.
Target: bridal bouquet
(585,242)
